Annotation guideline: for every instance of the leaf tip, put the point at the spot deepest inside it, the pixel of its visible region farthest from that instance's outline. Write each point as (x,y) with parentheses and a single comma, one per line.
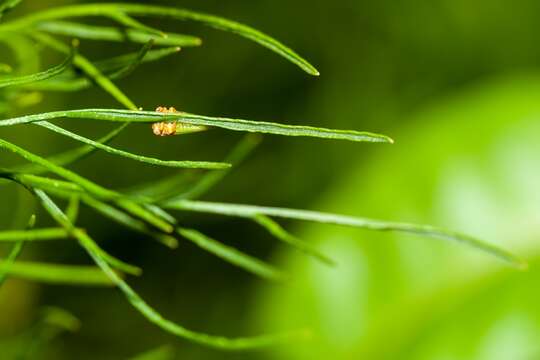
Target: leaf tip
(223,166)
(308,68)
(383,139)
(171,243)
(168,228)
(32,221)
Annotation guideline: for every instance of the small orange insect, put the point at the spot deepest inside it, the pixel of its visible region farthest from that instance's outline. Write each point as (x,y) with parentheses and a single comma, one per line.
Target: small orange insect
(163,109)
(166,128)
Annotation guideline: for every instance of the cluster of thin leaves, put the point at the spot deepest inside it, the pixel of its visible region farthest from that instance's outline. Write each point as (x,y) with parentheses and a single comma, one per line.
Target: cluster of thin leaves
(146,207)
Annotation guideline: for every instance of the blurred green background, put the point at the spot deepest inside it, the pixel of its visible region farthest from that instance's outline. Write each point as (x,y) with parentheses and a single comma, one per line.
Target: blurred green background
(455,83)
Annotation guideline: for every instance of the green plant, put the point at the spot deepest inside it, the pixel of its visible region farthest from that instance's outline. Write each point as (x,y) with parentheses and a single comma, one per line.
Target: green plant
(146,208)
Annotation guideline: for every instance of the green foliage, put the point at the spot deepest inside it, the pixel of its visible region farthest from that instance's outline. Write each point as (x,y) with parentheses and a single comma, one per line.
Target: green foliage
(15,252)
(248,211)
(33,78)
(192,119)
(232,255)
(56,273)
(42,234)
(120,12)
(144,209)
(107,33)
(144,159)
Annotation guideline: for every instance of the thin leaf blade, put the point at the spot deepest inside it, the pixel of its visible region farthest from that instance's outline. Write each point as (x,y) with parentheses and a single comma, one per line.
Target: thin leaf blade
(232,255)
(250,211)
(39,76)
(219,122)
(140,158)
(58,274)
(107,33)
(168,12)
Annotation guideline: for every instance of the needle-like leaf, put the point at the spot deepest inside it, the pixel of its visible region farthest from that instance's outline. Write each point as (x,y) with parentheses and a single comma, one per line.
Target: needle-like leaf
(281,234)
(106,33)
(72,210)
(152,315)
(111,9)
(112,67)
(249,211)
(91,187)
(144,159)
(67,190)
(129,22)
(44,234)
(40,76)
(122,61)
(235,157)
(70,156)
(88,68)
(173,187)
(15,252)
(232,255)
(58,274)
(219,122)
(128,221)
(132,65)
(63,220)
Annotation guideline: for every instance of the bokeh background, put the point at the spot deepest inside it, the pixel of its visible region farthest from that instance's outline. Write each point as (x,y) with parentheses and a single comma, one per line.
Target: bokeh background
(455,83)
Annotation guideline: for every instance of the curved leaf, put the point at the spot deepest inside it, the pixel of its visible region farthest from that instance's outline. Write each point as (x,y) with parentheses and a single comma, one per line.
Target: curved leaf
(88,68)
(152,315)
(42,75)
(283,235)
(116,64)
(144,159)
(111,9)
(60,217)
(68,157)
(249,211)
(91,187)
(15,252)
